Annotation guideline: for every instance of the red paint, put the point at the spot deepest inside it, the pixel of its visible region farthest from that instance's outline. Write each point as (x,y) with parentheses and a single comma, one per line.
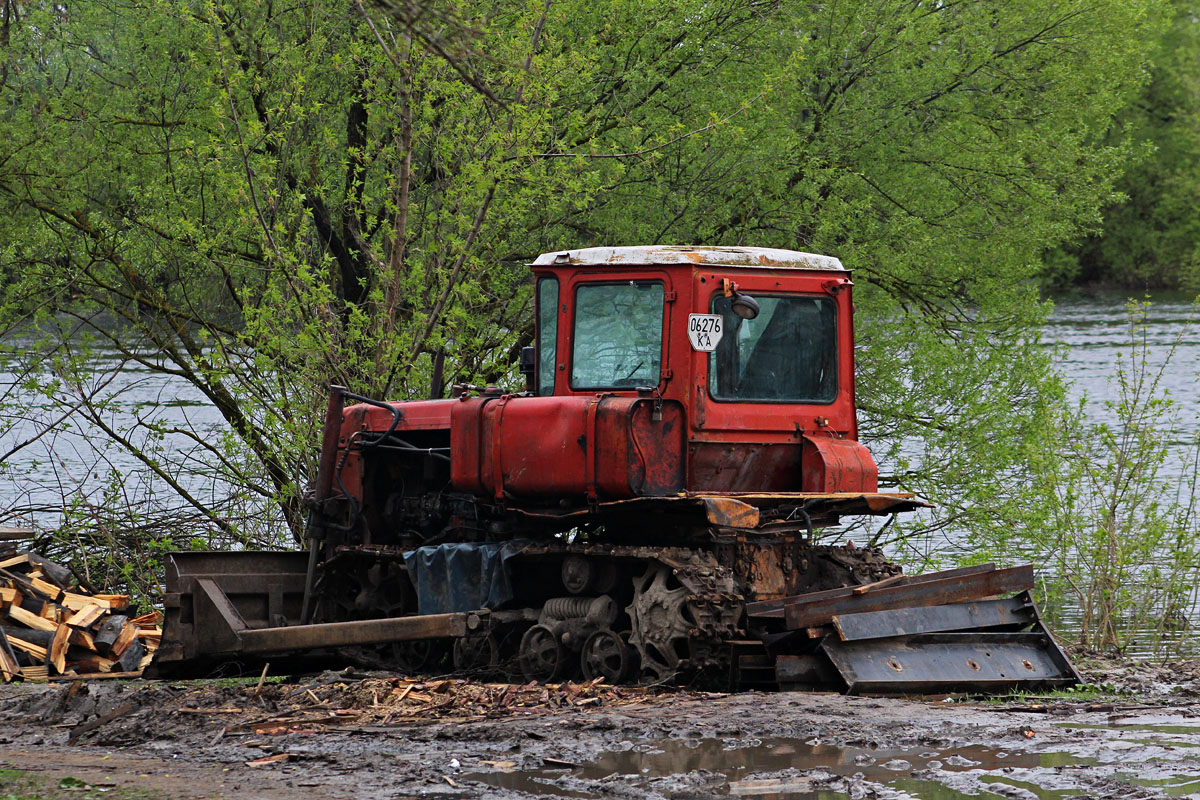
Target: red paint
(580,446)
(600,447)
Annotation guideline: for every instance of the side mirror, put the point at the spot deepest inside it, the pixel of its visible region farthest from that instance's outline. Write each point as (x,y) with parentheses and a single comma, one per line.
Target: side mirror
(529,368)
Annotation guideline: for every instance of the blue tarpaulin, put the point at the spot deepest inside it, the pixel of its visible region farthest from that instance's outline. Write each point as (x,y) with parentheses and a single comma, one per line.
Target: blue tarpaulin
(462,577)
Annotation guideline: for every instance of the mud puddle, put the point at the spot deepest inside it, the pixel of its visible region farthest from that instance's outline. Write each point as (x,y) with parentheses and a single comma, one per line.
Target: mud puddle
(783,768)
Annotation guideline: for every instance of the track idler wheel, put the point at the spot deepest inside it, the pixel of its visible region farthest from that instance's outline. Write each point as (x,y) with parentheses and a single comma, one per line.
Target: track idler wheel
(606,655)
(661,621)
(476,653)
(417,657)
(541,655)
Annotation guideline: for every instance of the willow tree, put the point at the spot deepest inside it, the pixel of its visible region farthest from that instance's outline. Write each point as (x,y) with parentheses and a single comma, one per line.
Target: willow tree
(268,198)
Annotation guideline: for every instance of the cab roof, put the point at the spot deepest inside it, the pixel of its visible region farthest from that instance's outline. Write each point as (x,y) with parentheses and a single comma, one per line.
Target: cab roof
(682,254)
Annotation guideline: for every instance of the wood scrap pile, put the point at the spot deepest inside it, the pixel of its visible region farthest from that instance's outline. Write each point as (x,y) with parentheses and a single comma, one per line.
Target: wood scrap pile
(406,697)
(49,626)
(375,704)
(398,700)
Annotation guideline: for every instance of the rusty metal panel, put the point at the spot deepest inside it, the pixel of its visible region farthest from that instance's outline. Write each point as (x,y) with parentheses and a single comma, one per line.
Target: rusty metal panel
(805,614)
(768,609)
(1014,611)
(639,449)
(583,446)
(261,589)
(730,513)
(743,466)
(370,631)
(805,670)
(676,254)
(832,464)
(950,662)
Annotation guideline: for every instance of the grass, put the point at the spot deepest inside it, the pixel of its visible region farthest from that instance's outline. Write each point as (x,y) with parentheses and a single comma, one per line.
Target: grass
(1083,693)
(17,784)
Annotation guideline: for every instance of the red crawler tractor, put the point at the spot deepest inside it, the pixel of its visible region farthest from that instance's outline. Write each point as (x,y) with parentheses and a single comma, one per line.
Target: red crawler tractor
(645,508)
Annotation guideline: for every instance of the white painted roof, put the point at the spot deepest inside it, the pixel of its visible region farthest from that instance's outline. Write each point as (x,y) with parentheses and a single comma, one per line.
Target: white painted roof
(682,254)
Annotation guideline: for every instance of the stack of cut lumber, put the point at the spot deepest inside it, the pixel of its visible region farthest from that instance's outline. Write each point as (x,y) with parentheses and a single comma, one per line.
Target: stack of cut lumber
(50,627)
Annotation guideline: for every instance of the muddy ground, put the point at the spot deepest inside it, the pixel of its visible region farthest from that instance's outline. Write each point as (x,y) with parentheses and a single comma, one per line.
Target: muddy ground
(355,735)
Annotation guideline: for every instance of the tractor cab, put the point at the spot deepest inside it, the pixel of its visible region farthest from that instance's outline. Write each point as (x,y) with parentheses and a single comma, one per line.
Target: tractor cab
(754,346)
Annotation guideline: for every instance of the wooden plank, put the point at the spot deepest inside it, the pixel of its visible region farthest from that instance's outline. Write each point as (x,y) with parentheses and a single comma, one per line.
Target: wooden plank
(110,631)
(18,614)
(39,673)
(23,581)
(870,587)
(86,616)
(11,534)
(339,634)
(58,648)
(83,639)
(93,664)
(131,656)
(117,602)
(79,602)
(96,676)
(9,668)
(127,636)
(40,638)
(933,619)
(53,592)
(91,725)
(15,561)
(34,650)
(774,608)
(54,572)
(928,593)
(10,596)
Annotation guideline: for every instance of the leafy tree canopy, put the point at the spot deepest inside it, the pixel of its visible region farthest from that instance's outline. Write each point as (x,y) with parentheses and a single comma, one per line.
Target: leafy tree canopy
(263,198)
(1150,236)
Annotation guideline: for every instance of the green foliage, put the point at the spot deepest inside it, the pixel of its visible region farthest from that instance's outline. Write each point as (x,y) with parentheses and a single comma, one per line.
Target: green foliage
(261,199)
(1151,236)
(1119,536)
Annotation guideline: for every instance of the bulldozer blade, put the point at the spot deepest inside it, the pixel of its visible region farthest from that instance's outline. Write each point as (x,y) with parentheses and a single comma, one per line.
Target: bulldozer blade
(809,613)
(951,662)
(222,605)
(1012,613)
(211,596)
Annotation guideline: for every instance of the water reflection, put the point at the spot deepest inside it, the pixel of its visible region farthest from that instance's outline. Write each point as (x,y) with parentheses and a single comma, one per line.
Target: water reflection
(737,760)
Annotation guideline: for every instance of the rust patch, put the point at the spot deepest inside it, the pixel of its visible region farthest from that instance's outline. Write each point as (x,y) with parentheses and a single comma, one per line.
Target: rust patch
(730,513)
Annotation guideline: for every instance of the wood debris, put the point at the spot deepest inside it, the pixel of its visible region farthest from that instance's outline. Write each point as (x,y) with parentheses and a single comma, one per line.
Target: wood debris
(50,627)
(374,702)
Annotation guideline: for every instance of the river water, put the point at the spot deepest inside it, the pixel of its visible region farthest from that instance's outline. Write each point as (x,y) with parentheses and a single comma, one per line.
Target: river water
(1095,329)
(66,466)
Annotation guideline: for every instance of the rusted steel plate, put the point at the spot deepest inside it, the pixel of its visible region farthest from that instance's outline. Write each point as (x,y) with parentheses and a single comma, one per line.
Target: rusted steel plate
(370,631)
(1014,611)
(642,255)
(818,506)
(768,609)
(807,614)
(950,662)
(808,670)
(730,513)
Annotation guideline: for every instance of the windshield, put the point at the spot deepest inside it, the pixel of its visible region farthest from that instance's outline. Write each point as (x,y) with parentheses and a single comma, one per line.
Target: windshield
(788,353)
(618,335)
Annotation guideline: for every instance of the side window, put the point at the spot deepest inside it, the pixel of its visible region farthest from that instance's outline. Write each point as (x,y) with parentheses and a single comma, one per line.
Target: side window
(618,335)
(547,333)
